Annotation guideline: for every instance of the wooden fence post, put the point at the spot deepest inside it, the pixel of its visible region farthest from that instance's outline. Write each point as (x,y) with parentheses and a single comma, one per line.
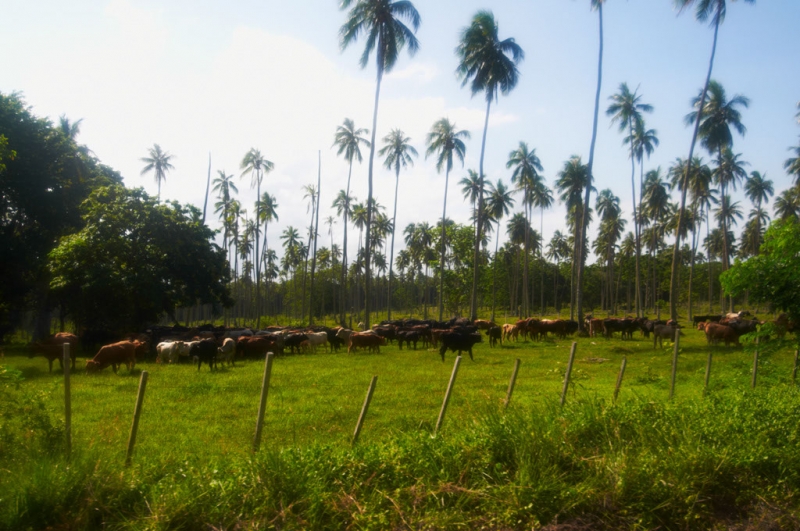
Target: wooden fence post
(674,362)
(619,377)
(442,412)
(512,382)
(364,409)
(263,404)
(137,412)
(567,374)
(708,371)
(794,371)
(67,401)
(755,367)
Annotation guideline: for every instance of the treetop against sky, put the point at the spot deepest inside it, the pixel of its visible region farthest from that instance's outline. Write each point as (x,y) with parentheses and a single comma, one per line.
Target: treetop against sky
(210,76)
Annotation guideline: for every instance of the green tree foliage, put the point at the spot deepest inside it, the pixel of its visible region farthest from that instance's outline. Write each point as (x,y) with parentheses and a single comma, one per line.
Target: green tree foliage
(135,259)
(774,275)
(44,178)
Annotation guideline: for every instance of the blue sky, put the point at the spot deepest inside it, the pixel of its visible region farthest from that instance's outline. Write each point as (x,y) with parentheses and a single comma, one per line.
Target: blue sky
(221,77)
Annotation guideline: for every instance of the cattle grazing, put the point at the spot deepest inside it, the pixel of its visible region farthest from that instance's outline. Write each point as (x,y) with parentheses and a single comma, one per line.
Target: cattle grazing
(716,332)
(292,341)
(316,339)
(458,343)
(408,337)
(205,351)
(596,327)
(333,339)
(483,324)
(115,354)
(53,349)
(495,335)
(227,351)
(661,332)
(737,315)
(510,331)
(363,339)
(169,351)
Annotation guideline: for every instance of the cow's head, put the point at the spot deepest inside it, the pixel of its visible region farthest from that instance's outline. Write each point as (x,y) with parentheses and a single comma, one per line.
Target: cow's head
(92,366)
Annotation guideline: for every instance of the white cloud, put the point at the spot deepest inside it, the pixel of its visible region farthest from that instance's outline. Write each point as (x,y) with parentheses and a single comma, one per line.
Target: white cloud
(417,71)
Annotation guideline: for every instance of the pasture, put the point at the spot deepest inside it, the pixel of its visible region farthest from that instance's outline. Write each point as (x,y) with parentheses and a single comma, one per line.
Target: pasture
(203,421)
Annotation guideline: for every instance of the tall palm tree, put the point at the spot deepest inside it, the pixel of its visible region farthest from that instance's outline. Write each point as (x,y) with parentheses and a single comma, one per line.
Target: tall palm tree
(380,22)
(444,141)
(309,194)
(471,188)
(758,190)
(526,176)
(498,204)
(727,214)
(656,209)
(541,198)
(611,228)
(292,253)
(159,162)
(70,129)
(713,12)
(349,141)
(728,173)
(580,239)
(267,212)
(223,184)
(572,180)
(792,165)
(627,109)
(316,239)
(398,152)
(489,65)
(254,164)
(558,249)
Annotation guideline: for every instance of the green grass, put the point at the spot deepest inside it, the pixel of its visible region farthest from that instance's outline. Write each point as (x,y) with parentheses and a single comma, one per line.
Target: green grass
(695,462)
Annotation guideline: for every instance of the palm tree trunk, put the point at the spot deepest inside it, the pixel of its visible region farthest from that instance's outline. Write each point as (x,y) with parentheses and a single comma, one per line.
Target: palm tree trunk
(525,284)
(638,299)
(344,248)
(391,252)
(473,310)
(673,280)
(541,267)
(444,236)
(208,186)
(314,256)
(494,269)
(367,271)
(691,269)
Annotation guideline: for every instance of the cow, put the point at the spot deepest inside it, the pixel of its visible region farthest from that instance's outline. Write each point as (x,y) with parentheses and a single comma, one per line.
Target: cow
(316,339)
(495,334)
(227,351)
(647,326)
(53,349)
(595,327)
(661,332)
(458,343)
(716,332)
(169,351)
(334,340)
(344,334)
(363,339)
(737,315)
(409,337)
(293,341)
(114,354)
(483,324)
(510,331)
(204,351)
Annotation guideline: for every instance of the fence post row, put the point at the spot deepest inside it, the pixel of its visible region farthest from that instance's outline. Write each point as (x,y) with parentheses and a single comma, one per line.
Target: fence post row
(442,412)
(512,382)
(567,374)
(67,402)
(674,362)
(619,377)
(137,412)
(263,403)
(364,409)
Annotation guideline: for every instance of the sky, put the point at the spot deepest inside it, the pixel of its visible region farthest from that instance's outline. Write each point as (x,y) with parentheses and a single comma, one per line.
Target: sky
(207,77)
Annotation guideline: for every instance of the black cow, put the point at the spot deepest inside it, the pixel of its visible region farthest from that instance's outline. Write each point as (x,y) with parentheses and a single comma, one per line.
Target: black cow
(293,341)
(661,332)
(205,351)
(458,342)
(648,325)
(495,334)
(408,337)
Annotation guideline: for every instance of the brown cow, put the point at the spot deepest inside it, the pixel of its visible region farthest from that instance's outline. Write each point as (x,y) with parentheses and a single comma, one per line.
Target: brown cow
(114,355)
(483,324)
(372,341)
(595,327)
(53,349)
(717,332)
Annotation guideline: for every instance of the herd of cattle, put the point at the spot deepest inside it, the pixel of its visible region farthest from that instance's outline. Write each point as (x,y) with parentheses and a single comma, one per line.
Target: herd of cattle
(212,345)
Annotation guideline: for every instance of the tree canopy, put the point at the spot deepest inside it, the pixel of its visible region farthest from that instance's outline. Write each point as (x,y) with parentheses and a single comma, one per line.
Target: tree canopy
(134,260)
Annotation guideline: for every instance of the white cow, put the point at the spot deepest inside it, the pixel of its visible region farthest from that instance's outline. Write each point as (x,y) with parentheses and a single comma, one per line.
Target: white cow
(227,351)
(316,339)
(169,351)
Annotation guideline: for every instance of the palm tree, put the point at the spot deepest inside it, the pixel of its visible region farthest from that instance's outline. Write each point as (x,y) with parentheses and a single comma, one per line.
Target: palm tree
(541,198)
(715,11)
(348,139)
(572,180)
(728,173)
(380,21)
(792,165)
(627,110)
(254,164)
(787,205)
(489,65)
(267,212)
(758,189)
(497,204)
(558,249)
(471,188)
(445,140)
(310,194)
(656,209)
(727,213)
(398,152)
(580,239)
(526,176)
(611,229)
(70,129)
(223,186)
(159,162)
(292,253)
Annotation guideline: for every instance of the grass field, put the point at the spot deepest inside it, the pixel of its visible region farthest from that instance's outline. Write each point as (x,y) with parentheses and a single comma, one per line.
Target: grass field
(204,421)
